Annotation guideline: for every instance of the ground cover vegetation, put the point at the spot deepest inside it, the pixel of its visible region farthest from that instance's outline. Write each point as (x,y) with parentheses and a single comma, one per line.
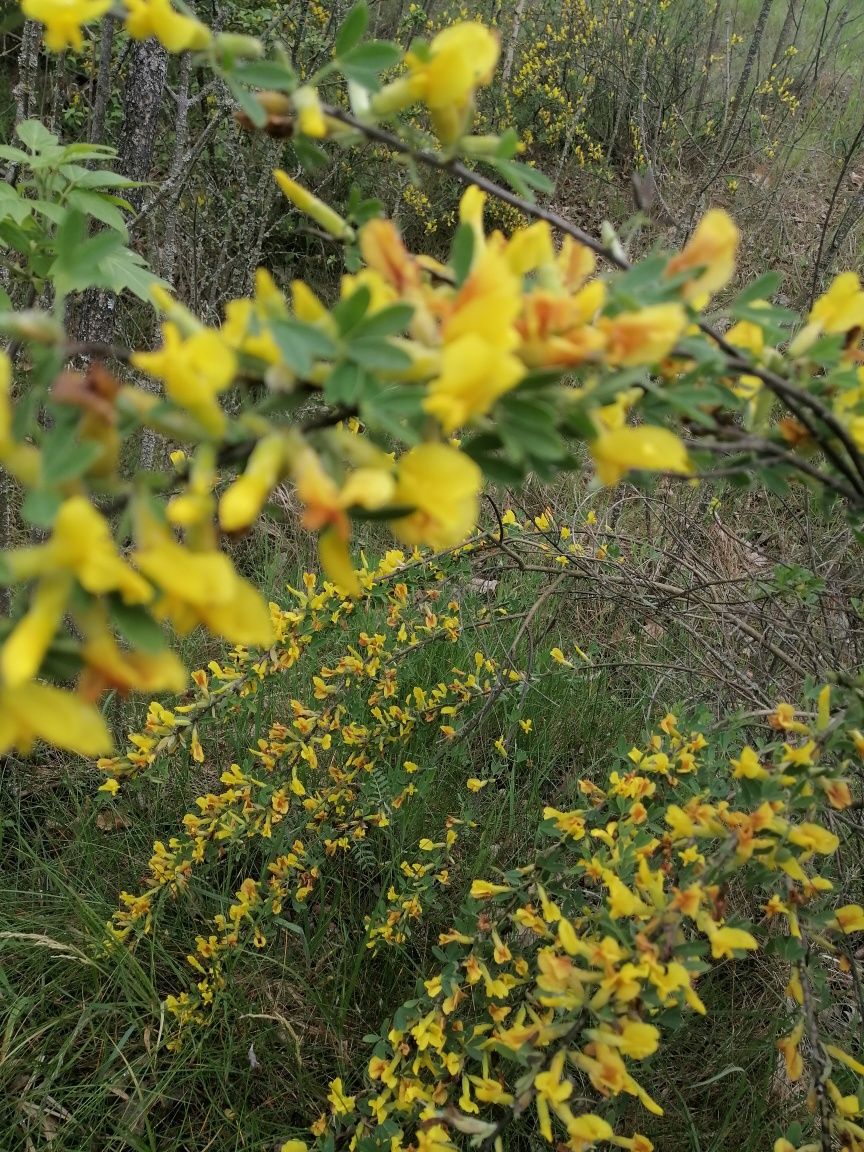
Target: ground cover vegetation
(430,675)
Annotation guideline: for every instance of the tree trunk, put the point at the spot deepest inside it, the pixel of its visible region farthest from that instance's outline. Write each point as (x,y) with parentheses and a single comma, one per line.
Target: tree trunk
(738,108)
(706,71)
(103,81)
(24,92)
(507,71)
(142,102)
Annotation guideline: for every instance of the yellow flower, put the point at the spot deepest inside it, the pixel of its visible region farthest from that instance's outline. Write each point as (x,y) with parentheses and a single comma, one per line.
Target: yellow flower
(485,889)
(442,485)
(243,500)
(310,115)
(643,337)
(838,310)
(459,60)
(747,765)
(788,1046)
(645,447)
(63,19)
(339,1102)
(552,1092)
(850,918)
(107,666)
(724,942)
(749,337)
(201,588)
(474,784)
(814,838)
(710,252)
(326,511)
(316,209)
(35,711)
(844,1058)
(474,373)
(176,32)
(195,370)
(80,547)
(294,1146)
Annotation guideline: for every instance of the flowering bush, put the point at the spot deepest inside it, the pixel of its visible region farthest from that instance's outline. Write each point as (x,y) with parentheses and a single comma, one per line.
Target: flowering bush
(396,402)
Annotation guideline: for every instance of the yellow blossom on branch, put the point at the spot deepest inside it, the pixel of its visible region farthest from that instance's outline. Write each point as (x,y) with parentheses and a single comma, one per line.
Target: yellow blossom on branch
(195,370)
(63,19)
(442,486)
(176,32)
(709,255)
(644,448)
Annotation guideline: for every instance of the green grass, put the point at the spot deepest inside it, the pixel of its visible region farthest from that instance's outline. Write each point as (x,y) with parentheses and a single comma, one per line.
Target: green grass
(83,1062)
(83,1057)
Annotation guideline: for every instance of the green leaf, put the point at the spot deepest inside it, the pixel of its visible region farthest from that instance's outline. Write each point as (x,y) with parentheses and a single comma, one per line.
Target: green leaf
(377,355)
(309,154)
(16,155)
(35,136)
(40,507)
(396,409)
(274,74)
(345,384)
(351,29)
(524,179)
(101,208)
(135,624)
(301,344)
(94,178)
(364,63)
(125,269)
(388,321)
(763,288)
(84,151)
(351,309)
(462,252)
(64,458)
(13,206)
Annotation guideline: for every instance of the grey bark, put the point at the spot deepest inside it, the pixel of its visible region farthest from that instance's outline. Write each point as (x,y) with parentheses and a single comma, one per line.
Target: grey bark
(738,103)
(507,71)
(142,103)
(703,82)
(24,92)
(103,81)
(168,258)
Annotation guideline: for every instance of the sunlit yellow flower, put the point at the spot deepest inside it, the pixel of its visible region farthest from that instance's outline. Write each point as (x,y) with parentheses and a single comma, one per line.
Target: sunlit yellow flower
(176,32)
(200,588)
(195,370)
(850,918)
(725,941)
(710,252)
(838,310)
(474,373)
(33,711)
(63,19)
(747,766)
(323,215)
(310,114)
(442,485)
(340,1104)
(243,500)
(485,889)
(643,337)
(645,448)
(459,60)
